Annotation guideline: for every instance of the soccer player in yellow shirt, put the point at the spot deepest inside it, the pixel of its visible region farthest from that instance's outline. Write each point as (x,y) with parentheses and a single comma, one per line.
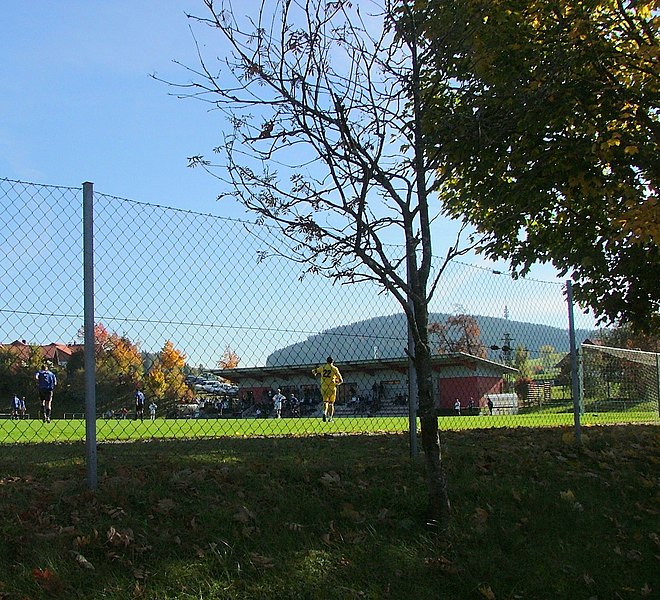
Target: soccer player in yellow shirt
(330,379)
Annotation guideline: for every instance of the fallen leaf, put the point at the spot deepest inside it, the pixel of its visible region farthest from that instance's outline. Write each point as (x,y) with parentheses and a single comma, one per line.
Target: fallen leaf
(258,560)
(81,561)
(47,580)
(443,563)
(331,478)
(349,512)
(480,515)
(114,512)
(119,537)
(165,505)
(244,515)
(568,496)
(487,592)
(67,530)
(138,590)
(248,531)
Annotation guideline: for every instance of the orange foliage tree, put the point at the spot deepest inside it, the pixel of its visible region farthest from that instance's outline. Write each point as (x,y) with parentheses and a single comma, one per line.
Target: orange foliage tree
(165,381)
(229,360)
(118,369)
(459,333)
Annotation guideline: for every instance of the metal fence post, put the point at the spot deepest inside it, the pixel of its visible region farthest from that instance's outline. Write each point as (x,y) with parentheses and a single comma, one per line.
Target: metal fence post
(575,371)
(657,376)
(90,359)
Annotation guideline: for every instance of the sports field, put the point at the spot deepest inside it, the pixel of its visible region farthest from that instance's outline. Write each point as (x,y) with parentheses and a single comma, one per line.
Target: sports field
(73,430)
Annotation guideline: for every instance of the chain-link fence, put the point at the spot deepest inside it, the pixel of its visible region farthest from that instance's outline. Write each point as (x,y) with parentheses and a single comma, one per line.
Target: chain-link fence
(221,334)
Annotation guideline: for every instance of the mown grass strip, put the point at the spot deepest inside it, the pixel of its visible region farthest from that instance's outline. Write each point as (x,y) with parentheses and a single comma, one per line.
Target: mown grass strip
(34,431)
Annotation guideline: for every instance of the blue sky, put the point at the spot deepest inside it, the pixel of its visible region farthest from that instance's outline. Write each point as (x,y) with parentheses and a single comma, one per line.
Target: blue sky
(77,101)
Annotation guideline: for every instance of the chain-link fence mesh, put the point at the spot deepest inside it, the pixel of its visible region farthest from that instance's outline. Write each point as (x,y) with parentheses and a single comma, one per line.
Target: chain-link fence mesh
(208,322)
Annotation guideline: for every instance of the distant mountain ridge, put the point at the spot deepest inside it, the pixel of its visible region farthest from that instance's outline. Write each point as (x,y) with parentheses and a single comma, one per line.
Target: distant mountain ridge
(387,337)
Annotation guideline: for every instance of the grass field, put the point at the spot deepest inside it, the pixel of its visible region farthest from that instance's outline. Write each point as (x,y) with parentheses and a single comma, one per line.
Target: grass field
(335,517)
(117,430)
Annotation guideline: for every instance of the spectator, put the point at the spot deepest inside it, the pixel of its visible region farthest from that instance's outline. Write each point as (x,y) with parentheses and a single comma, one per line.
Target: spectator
(46,381)
(293,405)
(457,406)
(152,410)
(490,405)
(23,407)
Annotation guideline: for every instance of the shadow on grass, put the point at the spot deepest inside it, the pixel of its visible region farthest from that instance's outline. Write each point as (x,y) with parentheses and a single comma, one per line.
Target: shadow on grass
(334,517)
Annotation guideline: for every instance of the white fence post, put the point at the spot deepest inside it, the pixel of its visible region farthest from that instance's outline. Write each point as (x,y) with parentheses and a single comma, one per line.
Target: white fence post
(575,370)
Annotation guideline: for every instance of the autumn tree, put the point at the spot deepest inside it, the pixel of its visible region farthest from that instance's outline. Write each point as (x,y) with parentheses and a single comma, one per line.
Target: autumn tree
(459,333)
(625,336)
(118,369)
(546,131)
(229,359)
(17,371)
(165,381)
(325,145)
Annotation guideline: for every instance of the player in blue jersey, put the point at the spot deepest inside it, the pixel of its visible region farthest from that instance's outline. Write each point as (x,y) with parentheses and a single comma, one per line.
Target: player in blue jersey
(16,407)
(139,405)
(46,381)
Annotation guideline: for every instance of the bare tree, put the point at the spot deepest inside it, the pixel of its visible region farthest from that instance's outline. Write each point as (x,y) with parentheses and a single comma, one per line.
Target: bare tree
(326,143)
(459,333)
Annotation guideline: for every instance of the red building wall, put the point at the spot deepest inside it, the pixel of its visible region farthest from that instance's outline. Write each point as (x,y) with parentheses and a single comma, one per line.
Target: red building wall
(466,389)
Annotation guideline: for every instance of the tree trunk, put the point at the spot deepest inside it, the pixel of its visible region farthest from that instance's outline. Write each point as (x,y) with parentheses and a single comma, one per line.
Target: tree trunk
(439,507)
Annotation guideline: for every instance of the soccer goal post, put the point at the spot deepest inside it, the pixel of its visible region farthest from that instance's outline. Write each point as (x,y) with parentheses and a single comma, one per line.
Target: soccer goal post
(619,380)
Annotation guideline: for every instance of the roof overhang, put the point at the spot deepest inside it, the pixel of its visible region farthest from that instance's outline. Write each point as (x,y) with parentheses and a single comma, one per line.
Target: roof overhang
(439,363)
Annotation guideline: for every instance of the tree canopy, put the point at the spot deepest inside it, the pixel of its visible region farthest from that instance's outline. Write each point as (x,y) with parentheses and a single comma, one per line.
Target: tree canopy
(543,121)
(165,380)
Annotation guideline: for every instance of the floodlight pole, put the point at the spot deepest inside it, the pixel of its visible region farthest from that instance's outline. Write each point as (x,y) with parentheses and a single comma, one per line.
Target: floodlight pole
(88,319)
(575,383)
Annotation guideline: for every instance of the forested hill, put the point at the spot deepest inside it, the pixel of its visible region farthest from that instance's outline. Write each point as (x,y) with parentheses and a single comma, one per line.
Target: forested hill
(386,337)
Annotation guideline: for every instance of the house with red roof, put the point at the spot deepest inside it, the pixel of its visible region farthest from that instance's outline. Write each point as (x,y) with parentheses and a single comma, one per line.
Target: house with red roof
(55,353)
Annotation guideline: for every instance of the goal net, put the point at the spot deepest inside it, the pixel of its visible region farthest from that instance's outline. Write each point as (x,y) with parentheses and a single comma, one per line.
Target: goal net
(618,379)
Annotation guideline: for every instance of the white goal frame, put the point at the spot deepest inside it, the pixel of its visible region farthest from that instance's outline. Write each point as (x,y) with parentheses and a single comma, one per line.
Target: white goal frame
(641,357)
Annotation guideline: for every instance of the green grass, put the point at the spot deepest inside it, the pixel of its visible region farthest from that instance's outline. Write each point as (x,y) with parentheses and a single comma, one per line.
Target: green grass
(59,430)
(334,516)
